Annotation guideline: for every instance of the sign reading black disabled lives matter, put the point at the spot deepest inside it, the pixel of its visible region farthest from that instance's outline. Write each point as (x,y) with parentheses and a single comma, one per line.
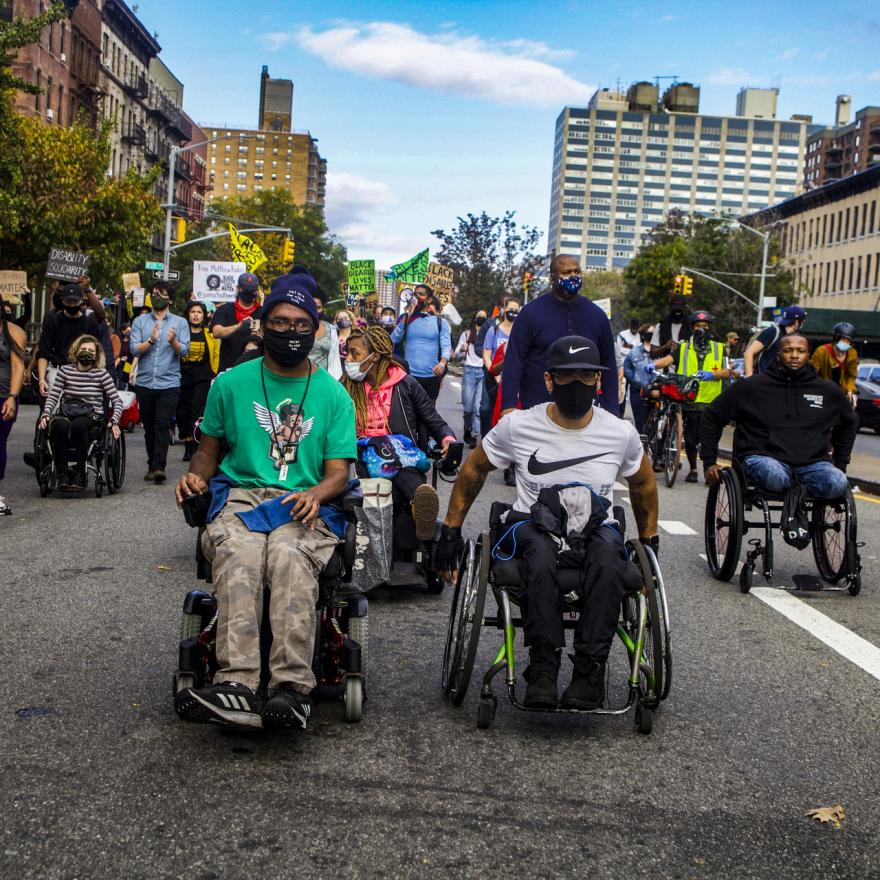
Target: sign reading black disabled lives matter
(362,276)
(13,283)
(67,265)
(216,282)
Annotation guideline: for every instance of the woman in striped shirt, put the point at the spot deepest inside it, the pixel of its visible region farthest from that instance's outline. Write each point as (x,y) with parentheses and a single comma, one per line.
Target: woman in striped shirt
(84,382)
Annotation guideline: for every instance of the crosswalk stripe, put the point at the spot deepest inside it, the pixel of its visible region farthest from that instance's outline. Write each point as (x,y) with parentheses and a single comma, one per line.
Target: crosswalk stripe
(675,527)
(840,639)
(456,385)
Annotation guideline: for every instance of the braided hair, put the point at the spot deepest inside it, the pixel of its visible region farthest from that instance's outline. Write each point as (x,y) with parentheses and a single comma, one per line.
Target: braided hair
(379,342)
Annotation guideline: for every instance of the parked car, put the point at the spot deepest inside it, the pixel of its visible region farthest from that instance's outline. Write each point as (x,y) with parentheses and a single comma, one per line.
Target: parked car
(868,405)
(870,372)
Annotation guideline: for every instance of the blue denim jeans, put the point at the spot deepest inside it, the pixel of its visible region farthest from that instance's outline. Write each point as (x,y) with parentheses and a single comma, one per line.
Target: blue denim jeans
(471,394)
(821,480)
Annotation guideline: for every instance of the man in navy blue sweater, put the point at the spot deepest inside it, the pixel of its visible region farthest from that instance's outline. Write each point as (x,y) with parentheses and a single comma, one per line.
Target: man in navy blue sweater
(559,312)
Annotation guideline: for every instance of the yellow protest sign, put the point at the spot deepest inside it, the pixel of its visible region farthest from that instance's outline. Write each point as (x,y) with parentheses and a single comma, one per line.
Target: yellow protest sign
(13,283)
(244,250)
(130,280)
(441,279)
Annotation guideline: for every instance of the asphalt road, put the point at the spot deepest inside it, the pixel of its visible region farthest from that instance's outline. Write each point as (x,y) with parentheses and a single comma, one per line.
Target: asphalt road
(99,778)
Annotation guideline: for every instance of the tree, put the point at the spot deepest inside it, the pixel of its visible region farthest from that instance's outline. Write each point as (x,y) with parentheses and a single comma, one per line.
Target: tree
(713,246)
(489,256)
(608,285)
(316,249)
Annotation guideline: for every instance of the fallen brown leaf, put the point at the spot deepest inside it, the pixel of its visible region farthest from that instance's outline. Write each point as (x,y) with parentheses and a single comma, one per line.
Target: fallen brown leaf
(163,568)
(828,814)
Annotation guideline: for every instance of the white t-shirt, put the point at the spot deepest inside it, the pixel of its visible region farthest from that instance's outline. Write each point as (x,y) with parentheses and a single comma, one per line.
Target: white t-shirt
(471,359)
(625,338)
(546,454)
(675,329)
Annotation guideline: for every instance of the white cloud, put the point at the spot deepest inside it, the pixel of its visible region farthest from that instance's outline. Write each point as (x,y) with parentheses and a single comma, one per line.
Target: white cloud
(458,64)
(666,18)
(821,56)
(789,54)
(731,76)
(874,76)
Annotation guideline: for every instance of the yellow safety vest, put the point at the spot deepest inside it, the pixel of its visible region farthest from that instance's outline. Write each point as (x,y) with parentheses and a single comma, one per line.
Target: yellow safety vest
(689,363)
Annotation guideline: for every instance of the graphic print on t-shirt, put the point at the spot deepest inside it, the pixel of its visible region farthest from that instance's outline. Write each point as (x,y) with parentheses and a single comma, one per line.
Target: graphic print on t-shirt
(286,429)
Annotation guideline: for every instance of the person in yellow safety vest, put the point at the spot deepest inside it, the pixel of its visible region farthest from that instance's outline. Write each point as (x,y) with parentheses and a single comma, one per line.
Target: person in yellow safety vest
(703,357)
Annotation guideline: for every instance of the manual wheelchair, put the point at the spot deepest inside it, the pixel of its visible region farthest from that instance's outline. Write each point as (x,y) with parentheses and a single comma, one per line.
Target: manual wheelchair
(643,630)
(833,534)
(339,662)
(105,459)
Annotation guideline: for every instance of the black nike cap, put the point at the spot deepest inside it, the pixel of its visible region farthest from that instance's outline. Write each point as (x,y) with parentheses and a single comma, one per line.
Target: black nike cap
(574,353)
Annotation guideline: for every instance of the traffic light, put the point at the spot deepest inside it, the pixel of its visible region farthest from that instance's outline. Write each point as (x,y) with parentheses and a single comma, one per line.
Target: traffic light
(687,287)
(527,281)
(676,288)
(288,249)
(178,230)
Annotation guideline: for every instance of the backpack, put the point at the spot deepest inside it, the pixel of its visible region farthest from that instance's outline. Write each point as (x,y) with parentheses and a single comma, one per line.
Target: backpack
(794,524)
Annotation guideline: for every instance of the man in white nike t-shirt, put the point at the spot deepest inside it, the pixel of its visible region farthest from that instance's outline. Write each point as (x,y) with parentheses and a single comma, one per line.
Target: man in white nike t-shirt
(553,444)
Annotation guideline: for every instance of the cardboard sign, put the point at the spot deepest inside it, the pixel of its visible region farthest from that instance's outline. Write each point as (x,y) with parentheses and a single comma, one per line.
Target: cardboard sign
(441,279)
(215,281)
(605,305)
(67,265)
(130,280)
(362,276)
(138,297)
(13,284)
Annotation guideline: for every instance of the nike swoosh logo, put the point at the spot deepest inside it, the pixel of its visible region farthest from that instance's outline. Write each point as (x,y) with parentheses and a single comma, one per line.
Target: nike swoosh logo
(537,468)
(576,350)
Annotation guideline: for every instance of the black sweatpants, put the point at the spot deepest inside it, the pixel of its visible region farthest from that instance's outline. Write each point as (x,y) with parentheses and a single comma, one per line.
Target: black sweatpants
(156,409)
(692,415)
(70,439)
(604,586)
(431,385)
(191,404)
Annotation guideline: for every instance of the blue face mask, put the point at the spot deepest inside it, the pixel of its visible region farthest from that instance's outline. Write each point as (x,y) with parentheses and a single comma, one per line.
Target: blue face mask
(571,284)
(843,346)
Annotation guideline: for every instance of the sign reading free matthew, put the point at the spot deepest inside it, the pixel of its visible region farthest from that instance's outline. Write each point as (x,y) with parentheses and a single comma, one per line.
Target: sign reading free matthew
(67,265)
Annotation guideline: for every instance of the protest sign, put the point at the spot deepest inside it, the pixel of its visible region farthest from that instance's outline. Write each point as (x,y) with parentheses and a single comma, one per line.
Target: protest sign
(67,265)
(605,305)
(371,300)
(414,269)
(130,280)
(13,284)
(362,275)
(441,280)
(138,298)
(244,250)
(215,281)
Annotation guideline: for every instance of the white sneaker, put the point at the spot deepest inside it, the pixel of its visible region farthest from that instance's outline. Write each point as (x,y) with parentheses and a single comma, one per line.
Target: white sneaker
(5,509)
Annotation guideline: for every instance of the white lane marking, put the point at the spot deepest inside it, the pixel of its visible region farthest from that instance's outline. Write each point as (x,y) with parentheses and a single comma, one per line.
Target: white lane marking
(675,527)
(454,384)
(703,557)
(856,649)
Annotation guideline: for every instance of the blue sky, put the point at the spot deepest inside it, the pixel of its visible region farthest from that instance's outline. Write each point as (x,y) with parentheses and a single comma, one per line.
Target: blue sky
(427,111)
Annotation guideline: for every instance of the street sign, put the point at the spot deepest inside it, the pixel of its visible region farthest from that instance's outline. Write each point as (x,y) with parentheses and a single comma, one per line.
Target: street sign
(159,266)
(173,274)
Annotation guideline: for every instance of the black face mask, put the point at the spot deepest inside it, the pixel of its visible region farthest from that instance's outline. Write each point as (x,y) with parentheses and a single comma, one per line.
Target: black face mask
(86,358)
(246,297)
(289,348)
(701,338)
(573,400)
(159,302)
(677,316)
(645,337)
(72,311)
(511,315)
(479,321)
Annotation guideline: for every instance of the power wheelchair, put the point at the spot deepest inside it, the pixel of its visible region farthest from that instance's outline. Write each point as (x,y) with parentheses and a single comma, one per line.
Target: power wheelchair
(339,662)
(643,630)
(105,459)
(833,534)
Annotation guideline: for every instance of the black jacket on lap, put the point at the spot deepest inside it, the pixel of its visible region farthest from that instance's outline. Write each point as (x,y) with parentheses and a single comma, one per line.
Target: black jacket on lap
(413,414)
(794,420)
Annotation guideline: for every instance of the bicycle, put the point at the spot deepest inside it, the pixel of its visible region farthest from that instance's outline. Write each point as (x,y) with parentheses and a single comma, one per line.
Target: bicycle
(664,426)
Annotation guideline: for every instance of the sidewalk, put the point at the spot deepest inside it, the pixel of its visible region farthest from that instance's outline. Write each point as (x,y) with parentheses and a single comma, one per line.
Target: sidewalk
(863,471)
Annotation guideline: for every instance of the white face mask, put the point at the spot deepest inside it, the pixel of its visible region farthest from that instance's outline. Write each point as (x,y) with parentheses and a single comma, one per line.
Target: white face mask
(843,346)
(354,372)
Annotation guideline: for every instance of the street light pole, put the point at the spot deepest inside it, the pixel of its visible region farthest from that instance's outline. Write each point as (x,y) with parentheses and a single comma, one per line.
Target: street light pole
(766,237)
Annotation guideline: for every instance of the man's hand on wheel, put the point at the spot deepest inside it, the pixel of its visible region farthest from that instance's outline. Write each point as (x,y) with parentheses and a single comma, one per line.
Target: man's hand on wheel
(712,474)
(448,553)
(189,484)
(653,542)
(305,507)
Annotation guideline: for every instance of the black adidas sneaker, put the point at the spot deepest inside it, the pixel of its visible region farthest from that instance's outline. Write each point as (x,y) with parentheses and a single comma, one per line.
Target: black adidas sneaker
(287,708)
(227,703)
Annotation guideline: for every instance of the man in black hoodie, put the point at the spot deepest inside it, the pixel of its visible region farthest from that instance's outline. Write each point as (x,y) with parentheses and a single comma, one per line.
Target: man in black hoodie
(786,419)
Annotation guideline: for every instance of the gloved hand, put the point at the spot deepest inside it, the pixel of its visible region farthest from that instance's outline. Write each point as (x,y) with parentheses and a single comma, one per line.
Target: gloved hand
(650,369)
(448,552)
(705,375)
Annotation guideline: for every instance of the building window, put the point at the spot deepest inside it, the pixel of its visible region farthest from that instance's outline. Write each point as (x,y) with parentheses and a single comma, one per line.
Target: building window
(241,187)
(225,186)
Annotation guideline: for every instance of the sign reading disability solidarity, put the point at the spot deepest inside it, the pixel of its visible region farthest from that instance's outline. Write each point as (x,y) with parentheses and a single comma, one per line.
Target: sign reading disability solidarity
(67,265)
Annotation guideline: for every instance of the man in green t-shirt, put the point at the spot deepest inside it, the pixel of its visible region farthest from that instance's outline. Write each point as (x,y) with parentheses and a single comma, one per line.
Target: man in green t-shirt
(288,429)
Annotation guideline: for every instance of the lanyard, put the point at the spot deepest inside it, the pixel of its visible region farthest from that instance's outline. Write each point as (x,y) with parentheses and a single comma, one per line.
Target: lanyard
(281,464)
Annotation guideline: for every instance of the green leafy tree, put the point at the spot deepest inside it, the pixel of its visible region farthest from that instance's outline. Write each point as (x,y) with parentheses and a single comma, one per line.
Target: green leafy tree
(608,285)
(489,256)
(316,249)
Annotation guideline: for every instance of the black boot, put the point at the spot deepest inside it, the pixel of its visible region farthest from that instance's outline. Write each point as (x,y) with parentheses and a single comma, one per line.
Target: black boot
(540,676)
(587,688)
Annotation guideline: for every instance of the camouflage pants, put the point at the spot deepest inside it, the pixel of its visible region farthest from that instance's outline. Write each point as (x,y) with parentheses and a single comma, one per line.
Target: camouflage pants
(288,562)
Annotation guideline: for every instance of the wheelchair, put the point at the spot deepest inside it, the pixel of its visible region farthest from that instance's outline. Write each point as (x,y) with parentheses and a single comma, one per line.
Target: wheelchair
(105,460)
(833,534)
(643,630)
(339,662)
(412,562)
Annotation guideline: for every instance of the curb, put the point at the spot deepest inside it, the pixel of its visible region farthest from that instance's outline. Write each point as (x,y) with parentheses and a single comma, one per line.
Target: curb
(858,484)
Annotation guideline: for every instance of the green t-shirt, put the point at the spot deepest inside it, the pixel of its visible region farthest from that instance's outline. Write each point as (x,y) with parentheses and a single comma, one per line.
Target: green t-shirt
(236,412)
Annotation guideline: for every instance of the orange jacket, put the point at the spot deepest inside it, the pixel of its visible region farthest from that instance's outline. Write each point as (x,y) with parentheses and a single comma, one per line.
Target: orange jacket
(825,359)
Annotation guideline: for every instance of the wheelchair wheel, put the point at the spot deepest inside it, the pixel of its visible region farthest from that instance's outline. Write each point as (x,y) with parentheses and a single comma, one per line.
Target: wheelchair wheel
(466,620)
(114,463)
(354,698)
(358,631)
(663,614)
(834,538)
(655,642)
(99,485)
(723,525)
(672,435)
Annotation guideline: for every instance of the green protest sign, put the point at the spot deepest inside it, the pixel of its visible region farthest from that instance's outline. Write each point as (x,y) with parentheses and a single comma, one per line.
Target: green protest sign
(362,276)
(414,269)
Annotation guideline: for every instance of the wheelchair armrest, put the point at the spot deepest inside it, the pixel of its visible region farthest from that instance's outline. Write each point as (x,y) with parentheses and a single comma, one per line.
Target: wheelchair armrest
(352,499)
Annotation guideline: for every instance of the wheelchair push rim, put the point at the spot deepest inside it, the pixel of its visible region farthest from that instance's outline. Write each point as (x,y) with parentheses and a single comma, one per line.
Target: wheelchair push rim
(114,463)
(723,526)
(834,538)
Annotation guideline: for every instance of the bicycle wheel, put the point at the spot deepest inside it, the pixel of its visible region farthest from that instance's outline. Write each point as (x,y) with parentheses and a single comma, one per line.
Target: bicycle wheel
(672,447)
(723,525)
